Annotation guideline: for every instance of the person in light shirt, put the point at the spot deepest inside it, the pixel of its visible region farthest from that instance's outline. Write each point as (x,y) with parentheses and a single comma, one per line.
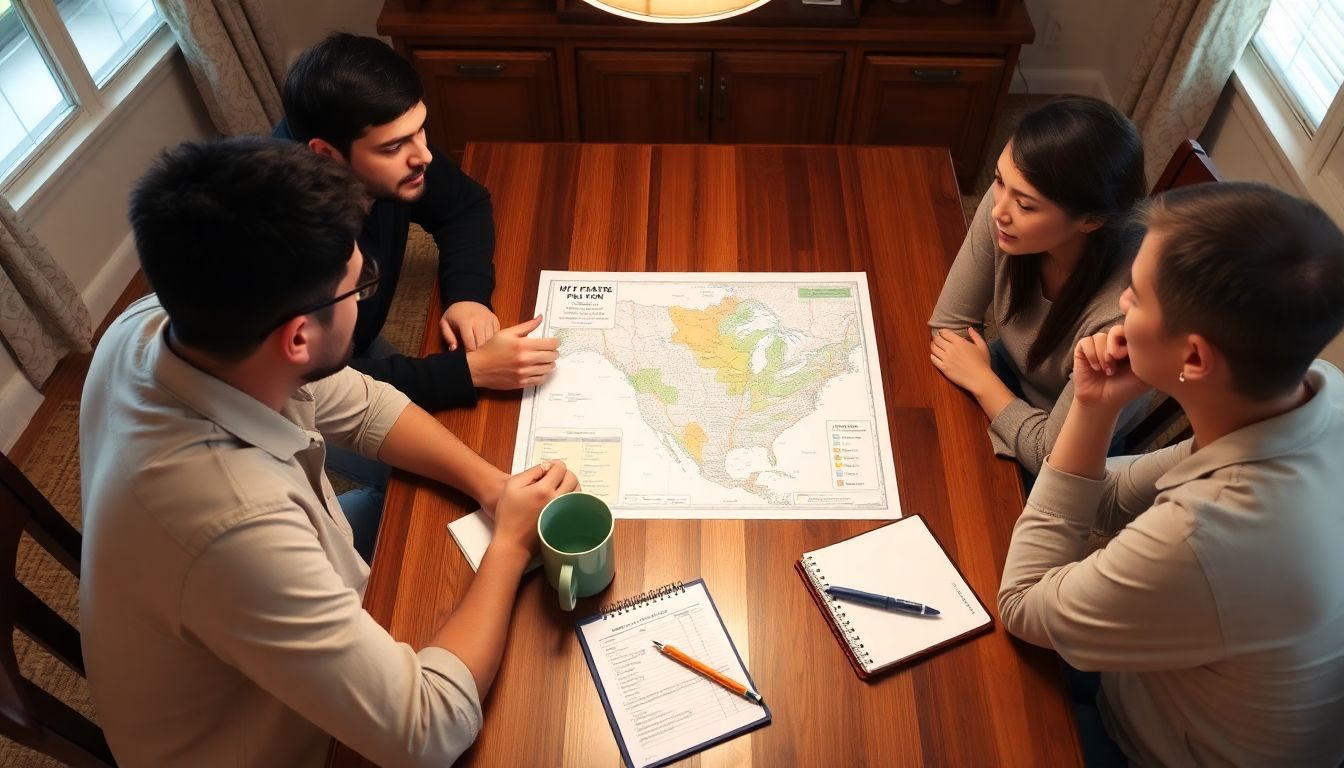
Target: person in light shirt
(220,589)
(1213,620)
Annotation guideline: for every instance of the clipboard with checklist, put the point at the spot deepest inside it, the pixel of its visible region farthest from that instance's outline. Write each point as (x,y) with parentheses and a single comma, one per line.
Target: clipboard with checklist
(659,710)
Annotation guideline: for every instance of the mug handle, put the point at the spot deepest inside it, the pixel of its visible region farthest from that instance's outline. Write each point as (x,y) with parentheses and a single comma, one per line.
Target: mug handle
(567,587)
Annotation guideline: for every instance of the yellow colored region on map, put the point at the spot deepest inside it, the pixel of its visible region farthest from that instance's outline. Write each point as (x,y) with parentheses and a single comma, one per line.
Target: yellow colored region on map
(694,439)
(698,330)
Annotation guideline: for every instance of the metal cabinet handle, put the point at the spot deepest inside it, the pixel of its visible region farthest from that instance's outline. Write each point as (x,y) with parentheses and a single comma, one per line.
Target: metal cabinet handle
(937,74)
(699,99)
(722,108)
(478,70)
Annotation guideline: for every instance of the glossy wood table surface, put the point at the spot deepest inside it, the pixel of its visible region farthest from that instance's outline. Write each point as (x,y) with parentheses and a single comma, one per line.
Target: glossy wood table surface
(892,212)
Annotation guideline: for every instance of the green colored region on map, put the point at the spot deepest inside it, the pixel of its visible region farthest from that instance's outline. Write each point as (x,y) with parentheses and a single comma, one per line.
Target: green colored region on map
(713,336)
(650,380)
(824,293)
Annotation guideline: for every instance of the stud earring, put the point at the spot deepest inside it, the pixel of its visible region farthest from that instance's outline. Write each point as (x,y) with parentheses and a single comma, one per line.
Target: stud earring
(1181,378)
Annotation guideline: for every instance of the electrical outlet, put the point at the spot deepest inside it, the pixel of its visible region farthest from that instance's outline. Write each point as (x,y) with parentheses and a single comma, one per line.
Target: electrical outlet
(1052,31)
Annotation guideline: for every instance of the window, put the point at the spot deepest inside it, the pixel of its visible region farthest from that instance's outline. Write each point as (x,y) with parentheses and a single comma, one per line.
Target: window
(33,102)
(56,56)
(106,32)
(1302,45)
(1289,84)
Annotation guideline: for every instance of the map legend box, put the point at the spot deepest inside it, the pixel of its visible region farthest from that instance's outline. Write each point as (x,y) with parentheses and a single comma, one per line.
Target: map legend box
(854,454)
(593,455)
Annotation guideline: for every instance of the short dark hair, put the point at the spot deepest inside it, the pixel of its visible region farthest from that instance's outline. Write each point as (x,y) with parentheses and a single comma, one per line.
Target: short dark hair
(1086,157)
(1256,271)
(343,86)
(236,235)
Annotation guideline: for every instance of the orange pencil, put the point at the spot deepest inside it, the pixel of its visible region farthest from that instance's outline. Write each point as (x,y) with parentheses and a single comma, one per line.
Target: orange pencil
(726,682)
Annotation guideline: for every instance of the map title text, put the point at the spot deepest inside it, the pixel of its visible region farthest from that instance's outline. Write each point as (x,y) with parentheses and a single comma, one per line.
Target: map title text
(585,291)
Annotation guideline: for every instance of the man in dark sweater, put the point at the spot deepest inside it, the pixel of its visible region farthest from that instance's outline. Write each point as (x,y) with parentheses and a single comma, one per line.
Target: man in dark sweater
(355,100)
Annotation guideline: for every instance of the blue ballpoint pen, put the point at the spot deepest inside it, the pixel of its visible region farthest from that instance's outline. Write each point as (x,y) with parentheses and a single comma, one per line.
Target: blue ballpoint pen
(881,601)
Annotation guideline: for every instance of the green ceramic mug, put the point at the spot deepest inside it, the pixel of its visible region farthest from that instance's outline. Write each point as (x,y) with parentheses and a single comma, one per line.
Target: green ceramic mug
(576,545)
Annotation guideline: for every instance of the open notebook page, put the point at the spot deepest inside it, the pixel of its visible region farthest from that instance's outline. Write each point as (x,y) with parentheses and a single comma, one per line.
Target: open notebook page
(902,560)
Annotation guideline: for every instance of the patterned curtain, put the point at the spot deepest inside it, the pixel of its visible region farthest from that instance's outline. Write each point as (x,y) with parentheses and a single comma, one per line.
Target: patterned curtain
(42,316)
(234,59)
(1184,64)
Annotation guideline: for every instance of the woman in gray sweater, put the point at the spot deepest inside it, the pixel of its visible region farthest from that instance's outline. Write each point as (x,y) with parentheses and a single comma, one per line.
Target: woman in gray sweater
(1048,254)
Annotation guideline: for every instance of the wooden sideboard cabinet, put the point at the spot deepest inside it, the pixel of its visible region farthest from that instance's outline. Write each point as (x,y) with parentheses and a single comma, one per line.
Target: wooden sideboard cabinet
(744,97)
(916,73)
(956,98)
(498,95)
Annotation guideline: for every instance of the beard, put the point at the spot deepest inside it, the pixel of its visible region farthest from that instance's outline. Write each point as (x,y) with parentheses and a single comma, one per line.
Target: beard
(400,190)
(323,370)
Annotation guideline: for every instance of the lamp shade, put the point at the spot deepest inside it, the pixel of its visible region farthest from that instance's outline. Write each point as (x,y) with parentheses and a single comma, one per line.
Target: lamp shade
(677,11)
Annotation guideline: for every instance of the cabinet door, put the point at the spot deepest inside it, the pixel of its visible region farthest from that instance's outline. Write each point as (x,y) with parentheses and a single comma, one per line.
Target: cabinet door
(653,96)
(929,100)
(488,96)
(776,98)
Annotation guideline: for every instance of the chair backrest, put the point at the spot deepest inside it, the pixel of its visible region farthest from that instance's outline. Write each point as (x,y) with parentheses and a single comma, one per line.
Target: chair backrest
(1189,165)
(28,714)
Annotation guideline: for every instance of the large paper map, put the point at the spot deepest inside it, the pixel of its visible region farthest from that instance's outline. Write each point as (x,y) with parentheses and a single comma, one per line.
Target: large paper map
(708,395)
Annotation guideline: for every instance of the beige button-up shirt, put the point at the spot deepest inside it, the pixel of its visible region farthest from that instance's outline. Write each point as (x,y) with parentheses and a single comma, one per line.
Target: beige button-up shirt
(220,593)
(1216,614)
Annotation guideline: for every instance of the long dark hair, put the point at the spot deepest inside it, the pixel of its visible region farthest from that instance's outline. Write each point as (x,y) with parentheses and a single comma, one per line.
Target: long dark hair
(1087,158)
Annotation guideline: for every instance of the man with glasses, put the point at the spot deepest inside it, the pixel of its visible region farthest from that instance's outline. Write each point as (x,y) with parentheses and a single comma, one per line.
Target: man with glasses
(220,588)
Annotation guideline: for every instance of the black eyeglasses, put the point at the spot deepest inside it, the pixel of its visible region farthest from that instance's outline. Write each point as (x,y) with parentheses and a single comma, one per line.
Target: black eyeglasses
(369,276)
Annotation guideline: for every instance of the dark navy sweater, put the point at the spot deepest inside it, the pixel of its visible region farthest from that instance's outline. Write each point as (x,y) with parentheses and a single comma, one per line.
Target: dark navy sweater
(456,212)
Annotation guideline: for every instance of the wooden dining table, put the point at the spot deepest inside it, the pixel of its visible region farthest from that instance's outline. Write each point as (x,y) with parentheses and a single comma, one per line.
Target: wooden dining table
(892,212)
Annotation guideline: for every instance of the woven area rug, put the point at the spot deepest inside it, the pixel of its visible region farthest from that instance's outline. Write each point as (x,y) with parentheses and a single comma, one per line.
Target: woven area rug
(405,323)
(53,467)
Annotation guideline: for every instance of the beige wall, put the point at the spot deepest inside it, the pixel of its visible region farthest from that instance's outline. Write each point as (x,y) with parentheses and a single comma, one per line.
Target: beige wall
(300,23)
(1097,37)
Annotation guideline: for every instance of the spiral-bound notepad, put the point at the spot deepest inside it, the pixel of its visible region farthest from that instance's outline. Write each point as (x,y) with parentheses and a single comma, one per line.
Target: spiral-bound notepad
(660,710)
(903,560)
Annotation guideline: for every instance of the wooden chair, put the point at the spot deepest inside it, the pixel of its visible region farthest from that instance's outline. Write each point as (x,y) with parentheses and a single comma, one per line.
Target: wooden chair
(1188,166)
(28,714)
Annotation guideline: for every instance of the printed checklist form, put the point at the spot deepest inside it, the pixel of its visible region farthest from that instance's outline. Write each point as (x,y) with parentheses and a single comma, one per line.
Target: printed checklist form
(660,710)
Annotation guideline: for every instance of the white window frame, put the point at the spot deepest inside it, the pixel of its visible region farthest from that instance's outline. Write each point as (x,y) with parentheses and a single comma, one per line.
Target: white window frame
(1302,155)
(93,108)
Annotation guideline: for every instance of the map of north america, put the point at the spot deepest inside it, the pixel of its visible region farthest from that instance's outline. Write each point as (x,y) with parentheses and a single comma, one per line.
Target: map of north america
(734,373)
